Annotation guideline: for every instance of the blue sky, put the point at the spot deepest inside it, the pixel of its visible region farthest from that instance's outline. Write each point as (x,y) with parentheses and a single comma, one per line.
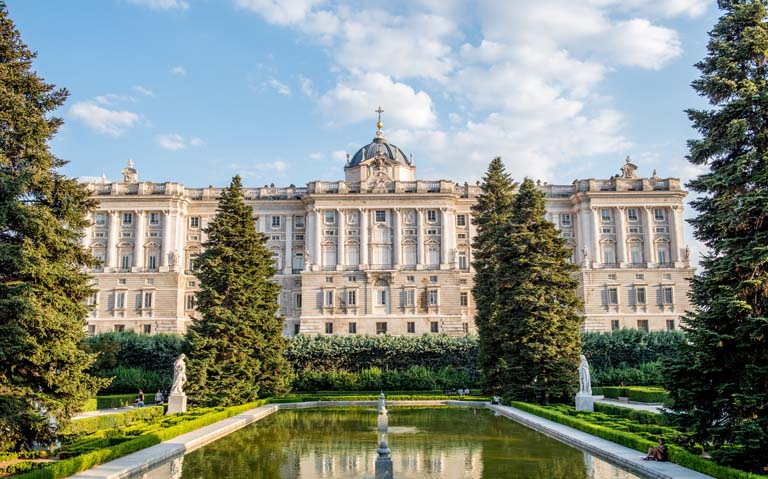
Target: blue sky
(195,91)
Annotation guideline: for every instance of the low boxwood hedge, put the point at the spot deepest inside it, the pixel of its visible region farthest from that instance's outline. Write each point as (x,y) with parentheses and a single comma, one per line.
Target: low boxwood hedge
(111,401)
(643,417)
(91,424)
(394,397)
(635,393)
(677,454)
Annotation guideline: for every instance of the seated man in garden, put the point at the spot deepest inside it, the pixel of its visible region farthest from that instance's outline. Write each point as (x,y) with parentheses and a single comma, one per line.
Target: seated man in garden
(658,453)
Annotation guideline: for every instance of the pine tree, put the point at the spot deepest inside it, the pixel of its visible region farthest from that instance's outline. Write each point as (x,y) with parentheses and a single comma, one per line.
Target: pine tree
(537,305)
(236,350)
(719,383)
(490,214)
(43,288)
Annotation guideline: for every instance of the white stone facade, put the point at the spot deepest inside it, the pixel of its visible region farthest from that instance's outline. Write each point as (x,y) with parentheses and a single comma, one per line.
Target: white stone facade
(381,252)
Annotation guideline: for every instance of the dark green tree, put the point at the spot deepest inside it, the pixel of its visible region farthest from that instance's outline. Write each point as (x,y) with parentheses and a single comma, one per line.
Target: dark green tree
(490,213)
(236,350)
(719,383)
(43,288)
(537,305)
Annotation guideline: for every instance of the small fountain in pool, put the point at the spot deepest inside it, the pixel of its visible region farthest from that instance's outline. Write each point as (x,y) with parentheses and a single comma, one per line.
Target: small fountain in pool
(384,459)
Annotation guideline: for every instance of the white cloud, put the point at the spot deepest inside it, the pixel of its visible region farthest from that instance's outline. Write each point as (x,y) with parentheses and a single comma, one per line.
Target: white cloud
(112,98)
(317,156)
(281,12)
(179,70)
(307,87)
(279,87)
(103,120)
(269,170)
(144,91)
(174,141)
(162,4)
(355,98)
(339,156)
(639,43)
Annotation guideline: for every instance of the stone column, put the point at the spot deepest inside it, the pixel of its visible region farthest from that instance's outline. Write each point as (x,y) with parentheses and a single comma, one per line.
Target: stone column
(363,238)
(309,240)
(166,240)
(596,259)
(648,236)
(621,239)
(676,234)
(114,218)
(451,237)
(396,241)
(138,242)
(318,256)
(340,237)
(180,228)
(443,238)
(288,261)
(420,238)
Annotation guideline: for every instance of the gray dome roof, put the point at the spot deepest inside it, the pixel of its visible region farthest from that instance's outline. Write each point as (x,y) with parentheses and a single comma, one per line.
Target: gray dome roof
(379,147)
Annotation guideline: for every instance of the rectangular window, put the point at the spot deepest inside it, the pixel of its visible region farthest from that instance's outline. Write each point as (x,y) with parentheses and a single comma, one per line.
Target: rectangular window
(612,276)
(380,216)
(410,296)
(125,261)
(91,330)
(432,232)
(670,325)
(299,237)
(632,214)
(152,262)
(296,329)
(191,301)
(642,325)
(667,295)
(640,276)
(613,296)
(147,329)
(635,230)
(463,260)
(275,221)
(433,298)
(352,328)
(662,255)
(433,279)
(298,222)
(462,236)
(329,279)
(154,218)
(640,295)
(463,299)
(329,298)
(99,234)
(565,219)
(120,300)
(381,328)
(274,237)
(658,214)
(431,216)
(381,298)
(434,327)
(119,328)
(605,215)
(194,221)
(409,279)
(411,327)
(154,234)
(147,300)
(297,300)
(461,220)
(328,328)
(126,234)
(127,218)
(615,325)
(122,281)
(352,298)
(330,217)
(465,328)
(101,219)
(607,231)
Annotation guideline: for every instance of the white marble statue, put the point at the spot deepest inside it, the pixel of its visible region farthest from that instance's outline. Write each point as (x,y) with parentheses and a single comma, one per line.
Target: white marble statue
(179,375)
(585,381)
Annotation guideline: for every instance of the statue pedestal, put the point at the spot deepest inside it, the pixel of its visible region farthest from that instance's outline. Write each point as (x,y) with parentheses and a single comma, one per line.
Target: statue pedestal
(176,403)
(585,402)
(383,422)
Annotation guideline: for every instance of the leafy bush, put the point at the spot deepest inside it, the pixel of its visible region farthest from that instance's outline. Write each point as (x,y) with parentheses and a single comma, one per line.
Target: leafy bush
(581,421)
(629,347)
(132,379)
(647,374)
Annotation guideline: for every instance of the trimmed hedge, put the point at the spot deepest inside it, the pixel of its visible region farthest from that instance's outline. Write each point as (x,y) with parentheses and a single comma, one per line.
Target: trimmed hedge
(636,393)
(629,347)
(402,397)
(108,421)
(109,402)
(415,378)
(642,417)
(677,454)
(73,465)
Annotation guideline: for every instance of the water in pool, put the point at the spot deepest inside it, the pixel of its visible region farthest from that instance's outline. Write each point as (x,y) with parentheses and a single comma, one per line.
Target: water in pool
(425,443)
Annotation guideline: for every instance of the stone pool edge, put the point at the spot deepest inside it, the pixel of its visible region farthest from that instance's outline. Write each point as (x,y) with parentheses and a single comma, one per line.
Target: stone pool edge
(144,460)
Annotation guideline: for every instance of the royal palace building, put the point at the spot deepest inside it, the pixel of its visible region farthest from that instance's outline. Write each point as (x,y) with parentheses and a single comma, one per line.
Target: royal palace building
(382,252)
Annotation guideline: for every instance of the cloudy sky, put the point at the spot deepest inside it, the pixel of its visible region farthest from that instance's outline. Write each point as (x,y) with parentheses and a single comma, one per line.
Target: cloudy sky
(279,91)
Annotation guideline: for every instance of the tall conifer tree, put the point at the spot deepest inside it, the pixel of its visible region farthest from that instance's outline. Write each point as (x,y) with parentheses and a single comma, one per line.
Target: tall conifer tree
(43,288)
(719,383)
(490,213)
(236,350)
(537,305)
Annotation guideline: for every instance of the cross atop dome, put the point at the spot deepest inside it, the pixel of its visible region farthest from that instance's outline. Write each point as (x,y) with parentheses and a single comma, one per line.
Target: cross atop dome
(379,124)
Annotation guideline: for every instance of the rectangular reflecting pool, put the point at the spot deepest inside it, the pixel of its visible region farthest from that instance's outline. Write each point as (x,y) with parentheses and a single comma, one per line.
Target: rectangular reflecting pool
(425,443)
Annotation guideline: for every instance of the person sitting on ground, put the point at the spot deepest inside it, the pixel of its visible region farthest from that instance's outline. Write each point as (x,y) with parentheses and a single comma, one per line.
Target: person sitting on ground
(140,399)
(158,397)
(658,453)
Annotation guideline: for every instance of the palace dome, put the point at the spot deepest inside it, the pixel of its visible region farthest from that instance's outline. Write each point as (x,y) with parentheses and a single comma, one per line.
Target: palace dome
(379,147)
